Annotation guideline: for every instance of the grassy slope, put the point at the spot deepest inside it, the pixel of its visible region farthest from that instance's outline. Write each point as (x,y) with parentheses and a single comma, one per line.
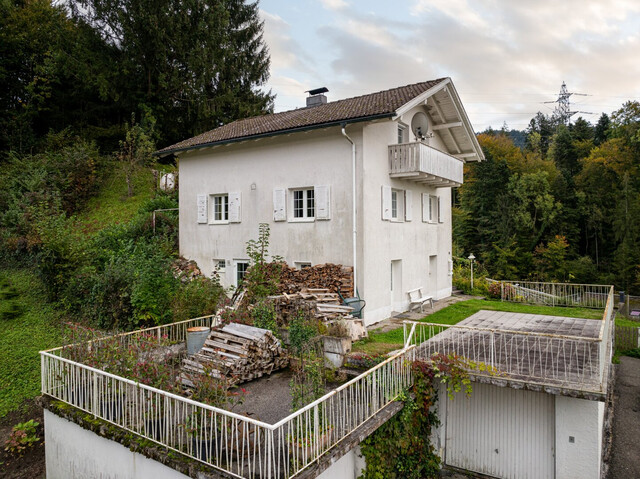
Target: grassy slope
(22,338)
(111,205)
(38,327)
(385,342)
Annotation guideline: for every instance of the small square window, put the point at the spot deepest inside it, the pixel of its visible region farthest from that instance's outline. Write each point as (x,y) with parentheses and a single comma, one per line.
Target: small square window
(219,265)
(302,264)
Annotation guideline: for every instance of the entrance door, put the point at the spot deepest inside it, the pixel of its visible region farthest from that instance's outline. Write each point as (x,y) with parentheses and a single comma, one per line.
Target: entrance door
(501,432)
(433,275)
(396,285)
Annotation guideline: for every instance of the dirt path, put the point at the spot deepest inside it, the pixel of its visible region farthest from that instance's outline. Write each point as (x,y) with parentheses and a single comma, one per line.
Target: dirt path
(625,460)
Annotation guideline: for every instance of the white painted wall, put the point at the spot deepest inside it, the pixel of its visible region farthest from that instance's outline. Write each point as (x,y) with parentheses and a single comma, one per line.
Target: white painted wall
(320,157)
(76,453)
(583,420)
(413,241)
(298,160)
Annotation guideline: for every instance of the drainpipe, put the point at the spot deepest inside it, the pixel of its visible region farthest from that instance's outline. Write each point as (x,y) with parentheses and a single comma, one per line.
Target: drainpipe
(353,194)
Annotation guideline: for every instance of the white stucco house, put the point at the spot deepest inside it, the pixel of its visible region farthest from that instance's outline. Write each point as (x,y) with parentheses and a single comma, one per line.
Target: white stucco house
(363,182)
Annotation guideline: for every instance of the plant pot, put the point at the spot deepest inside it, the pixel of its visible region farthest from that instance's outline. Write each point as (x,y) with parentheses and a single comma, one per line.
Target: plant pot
(335,349)
(196,338)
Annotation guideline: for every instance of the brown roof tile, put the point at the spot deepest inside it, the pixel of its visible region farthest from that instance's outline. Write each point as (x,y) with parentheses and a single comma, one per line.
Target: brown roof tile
(365,106)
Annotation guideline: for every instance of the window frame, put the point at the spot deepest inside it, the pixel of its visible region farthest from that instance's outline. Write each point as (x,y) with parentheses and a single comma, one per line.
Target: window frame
(308,199)
(223,199)
(236,270)
(402,133)
(399,205)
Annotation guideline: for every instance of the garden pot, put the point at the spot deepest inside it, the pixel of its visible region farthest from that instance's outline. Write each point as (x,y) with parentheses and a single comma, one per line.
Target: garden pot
(335,350)
(196,337)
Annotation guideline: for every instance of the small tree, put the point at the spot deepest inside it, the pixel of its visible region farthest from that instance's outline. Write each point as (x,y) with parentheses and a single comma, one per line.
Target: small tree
(263,277)
(135,150)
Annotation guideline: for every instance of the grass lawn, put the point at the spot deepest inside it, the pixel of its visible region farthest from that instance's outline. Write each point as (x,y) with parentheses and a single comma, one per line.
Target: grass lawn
(380,343)
(37,328)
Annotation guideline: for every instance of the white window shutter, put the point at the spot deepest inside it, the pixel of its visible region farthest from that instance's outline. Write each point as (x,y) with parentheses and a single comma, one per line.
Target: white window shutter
(202,208)
(425,208)
(279,205)
(322,195)
(439,211)
(386,203)
(408,205)
(234,208)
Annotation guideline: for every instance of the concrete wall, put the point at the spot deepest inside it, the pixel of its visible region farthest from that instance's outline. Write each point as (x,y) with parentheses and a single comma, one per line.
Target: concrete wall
(581,420)
(321,157)
(75,453)
(349,466)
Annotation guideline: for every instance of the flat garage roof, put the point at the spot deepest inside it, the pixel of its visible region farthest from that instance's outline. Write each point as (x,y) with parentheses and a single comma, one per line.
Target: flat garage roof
(530,348)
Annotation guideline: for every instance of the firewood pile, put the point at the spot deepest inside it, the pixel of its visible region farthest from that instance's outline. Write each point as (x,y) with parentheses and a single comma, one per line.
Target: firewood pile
(333,277)
(185,270)
(237,352)
(320,303)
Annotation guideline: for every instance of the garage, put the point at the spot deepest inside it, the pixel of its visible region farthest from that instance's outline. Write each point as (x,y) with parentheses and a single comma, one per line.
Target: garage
(501,432)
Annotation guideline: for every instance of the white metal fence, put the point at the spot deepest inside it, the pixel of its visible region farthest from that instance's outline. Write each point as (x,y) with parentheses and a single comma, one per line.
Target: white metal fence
(559,360)
(552,294)
(236,444)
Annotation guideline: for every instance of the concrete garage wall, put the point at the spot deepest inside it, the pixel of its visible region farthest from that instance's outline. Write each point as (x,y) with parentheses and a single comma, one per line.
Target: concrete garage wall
(349,466)
(75,453)
(582,420)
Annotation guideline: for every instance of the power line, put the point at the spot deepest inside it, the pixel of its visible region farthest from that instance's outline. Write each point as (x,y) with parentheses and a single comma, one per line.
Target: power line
(563,108)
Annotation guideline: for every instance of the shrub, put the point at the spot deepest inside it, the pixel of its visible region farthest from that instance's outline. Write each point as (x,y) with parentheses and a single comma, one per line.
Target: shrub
(23,436)
(264,316)
(199,297)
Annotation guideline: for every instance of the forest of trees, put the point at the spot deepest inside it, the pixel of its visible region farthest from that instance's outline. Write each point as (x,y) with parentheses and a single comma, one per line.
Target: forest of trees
(88,90)
(564,207)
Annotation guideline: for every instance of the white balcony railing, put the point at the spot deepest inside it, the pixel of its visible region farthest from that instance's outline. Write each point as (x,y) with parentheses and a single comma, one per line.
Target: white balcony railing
(420,162)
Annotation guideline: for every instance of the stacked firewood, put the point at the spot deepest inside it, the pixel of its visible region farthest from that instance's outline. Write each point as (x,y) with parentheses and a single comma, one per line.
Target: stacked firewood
(320,303)
(333,277)
(237,352)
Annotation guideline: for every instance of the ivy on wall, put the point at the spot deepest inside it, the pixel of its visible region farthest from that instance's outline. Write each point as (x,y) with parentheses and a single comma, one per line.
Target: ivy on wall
(401,448)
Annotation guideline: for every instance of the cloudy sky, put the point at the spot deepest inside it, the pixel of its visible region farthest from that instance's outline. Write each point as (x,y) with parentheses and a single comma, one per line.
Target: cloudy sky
(505,57)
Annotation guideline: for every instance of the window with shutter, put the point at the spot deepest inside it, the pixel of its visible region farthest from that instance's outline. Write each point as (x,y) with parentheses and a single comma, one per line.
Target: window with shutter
(425,208)
(218,208)
(440,218)
(323,202)
(202,208)
(279,205)
(386,203)
(234,208)
(304,204)
(408,205)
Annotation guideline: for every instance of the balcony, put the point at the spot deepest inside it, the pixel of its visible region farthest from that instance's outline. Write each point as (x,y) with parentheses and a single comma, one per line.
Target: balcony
(423,164)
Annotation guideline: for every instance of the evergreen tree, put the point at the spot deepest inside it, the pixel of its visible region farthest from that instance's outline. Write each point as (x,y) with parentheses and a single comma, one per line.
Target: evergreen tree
(542,128)
(195,63)
(601,131)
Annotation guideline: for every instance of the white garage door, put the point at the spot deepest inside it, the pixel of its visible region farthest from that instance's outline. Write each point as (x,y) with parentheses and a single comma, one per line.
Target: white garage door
(502,432)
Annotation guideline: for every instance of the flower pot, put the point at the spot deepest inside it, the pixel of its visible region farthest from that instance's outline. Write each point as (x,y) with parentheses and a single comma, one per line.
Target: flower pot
(196,337)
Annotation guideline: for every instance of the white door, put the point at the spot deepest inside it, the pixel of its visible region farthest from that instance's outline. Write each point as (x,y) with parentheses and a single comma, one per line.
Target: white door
(502,432)
(396,285)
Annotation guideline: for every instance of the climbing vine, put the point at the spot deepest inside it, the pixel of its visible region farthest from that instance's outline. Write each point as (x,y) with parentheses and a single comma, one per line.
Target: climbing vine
(401,447)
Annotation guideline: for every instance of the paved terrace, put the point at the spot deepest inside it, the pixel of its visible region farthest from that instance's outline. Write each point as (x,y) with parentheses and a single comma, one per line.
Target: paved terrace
(527,348)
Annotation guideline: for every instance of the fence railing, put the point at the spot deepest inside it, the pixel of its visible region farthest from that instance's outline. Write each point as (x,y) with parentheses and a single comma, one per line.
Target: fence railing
(416,157)
(541,358)
(627,337)
(230,442)
(554,294)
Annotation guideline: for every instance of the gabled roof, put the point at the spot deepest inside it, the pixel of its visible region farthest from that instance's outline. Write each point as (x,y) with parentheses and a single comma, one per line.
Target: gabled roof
(383,104)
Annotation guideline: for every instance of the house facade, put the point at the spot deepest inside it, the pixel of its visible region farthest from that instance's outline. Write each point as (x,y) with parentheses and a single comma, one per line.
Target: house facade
(362,182)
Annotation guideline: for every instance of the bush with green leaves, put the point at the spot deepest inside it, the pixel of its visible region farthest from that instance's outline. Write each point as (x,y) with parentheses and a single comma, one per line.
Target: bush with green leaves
(199,297)
(264,316)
